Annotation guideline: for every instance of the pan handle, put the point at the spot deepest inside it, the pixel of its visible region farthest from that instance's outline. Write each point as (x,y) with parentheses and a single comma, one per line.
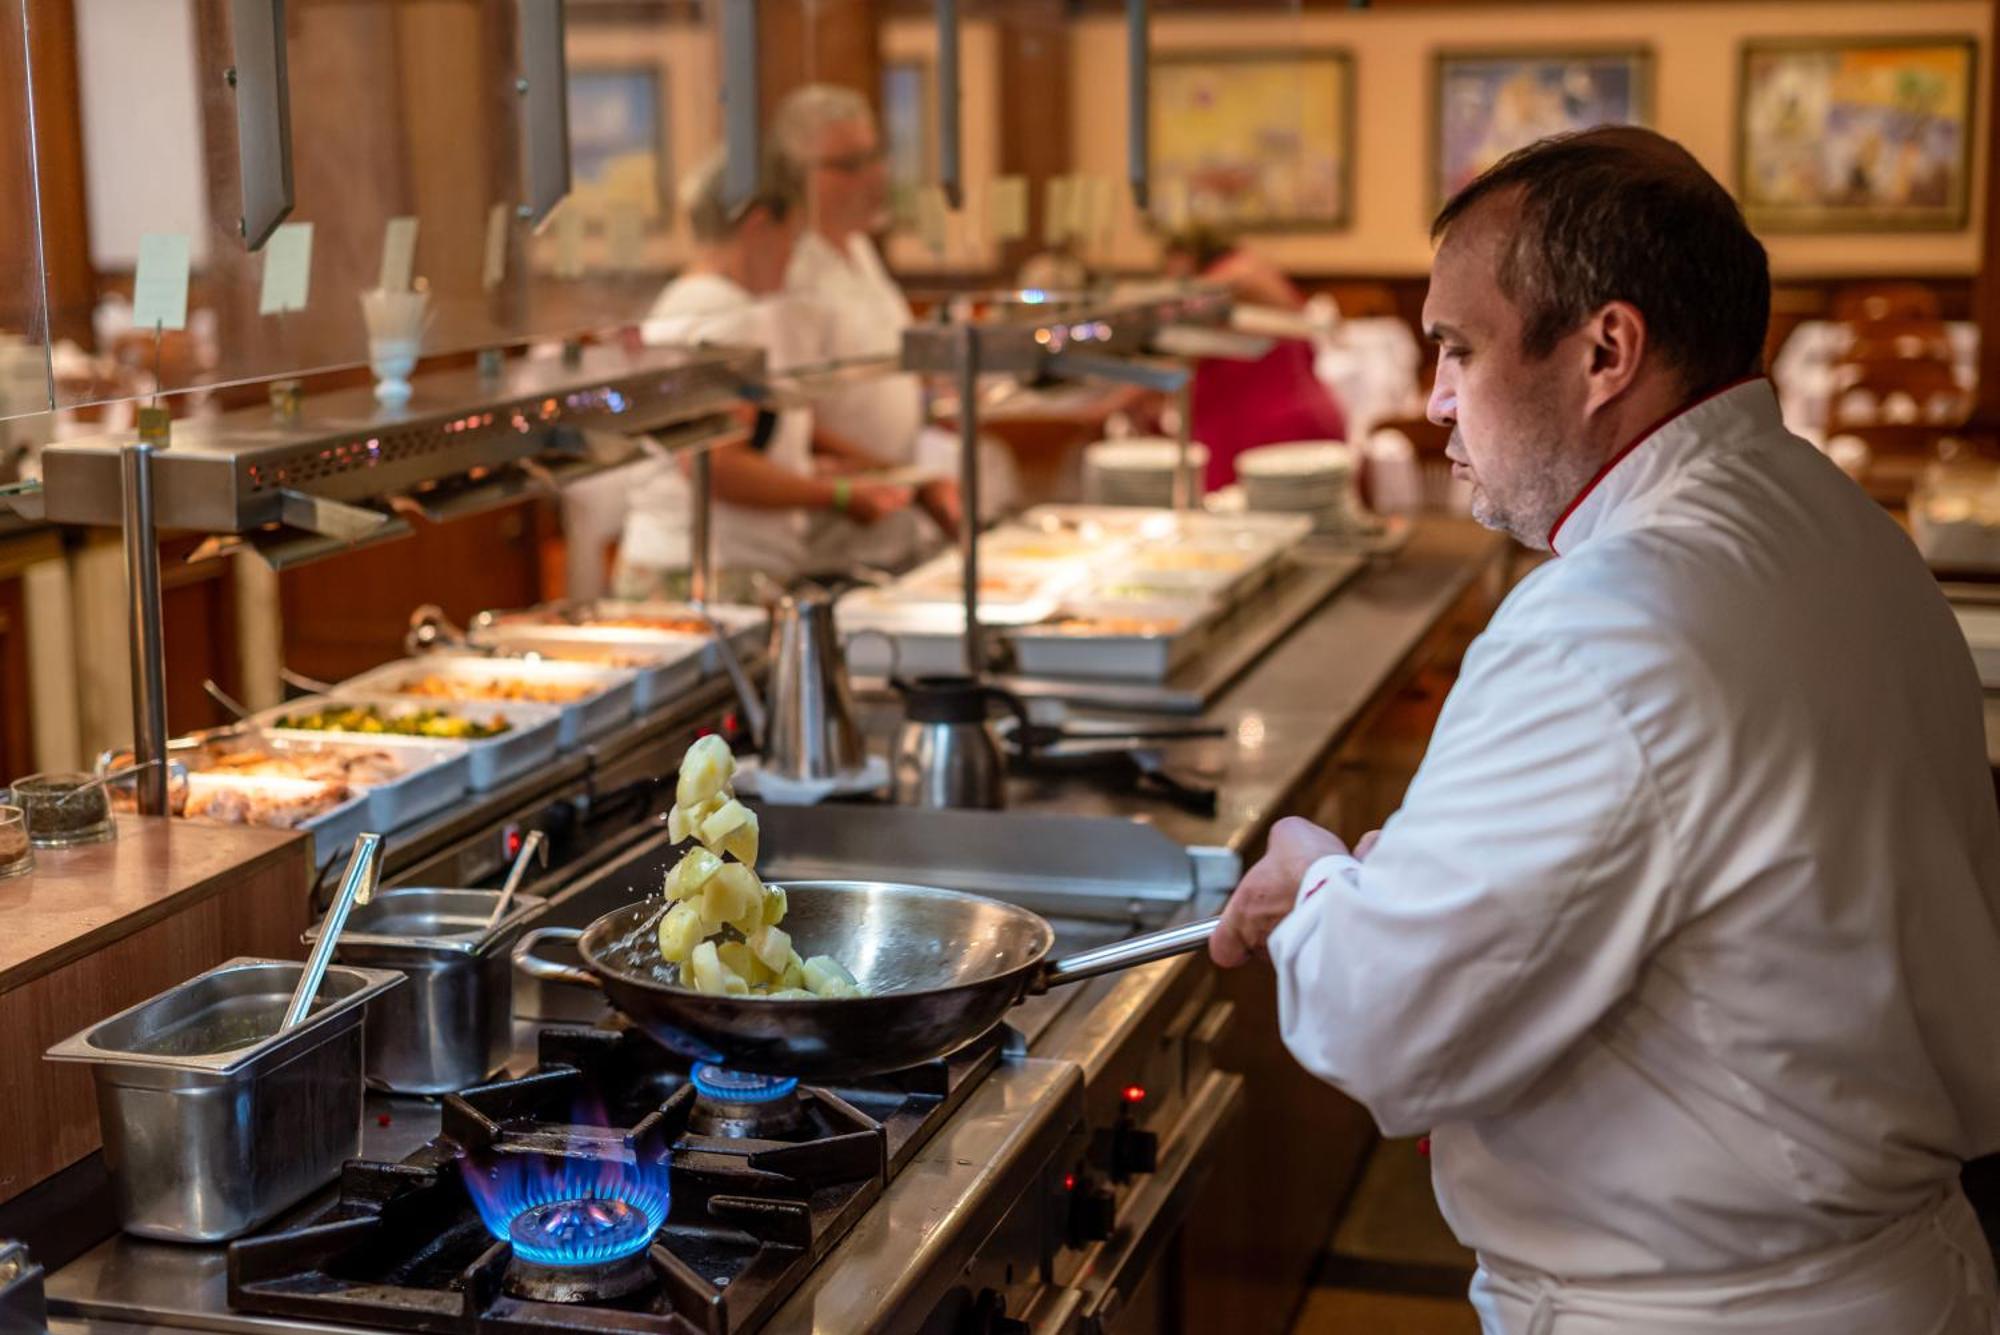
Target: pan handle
(1126,954)
(549,971)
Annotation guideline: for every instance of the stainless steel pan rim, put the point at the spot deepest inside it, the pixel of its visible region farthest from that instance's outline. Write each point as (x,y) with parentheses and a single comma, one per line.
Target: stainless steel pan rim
(942,967)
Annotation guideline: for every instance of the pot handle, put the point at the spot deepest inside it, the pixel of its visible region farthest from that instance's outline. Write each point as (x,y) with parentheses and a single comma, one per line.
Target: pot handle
(549,971)
(1016,706)
(1126,954)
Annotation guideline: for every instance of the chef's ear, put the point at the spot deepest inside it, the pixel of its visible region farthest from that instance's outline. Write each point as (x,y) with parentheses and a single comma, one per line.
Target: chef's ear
(1616,336)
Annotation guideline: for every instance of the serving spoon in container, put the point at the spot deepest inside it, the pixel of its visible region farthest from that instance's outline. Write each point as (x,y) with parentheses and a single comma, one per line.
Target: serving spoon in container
(364,869)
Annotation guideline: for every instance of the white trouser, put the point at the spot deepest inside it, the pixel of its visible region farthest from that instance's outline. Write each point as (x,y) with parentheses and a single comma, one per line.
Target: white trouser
(1928,1274)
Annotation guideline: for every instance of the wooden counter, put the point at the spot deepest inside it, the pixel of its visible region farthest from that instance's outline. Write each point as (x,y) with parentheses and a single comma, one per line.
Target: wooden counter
(100,928)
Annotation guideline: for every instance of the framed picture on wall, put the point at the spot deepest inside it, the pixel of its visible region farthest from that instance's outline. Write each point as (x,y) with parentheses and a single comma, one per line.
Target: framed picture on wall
(1254,139)
(618,141)
(1838,134)
(907,117)
(1486,104)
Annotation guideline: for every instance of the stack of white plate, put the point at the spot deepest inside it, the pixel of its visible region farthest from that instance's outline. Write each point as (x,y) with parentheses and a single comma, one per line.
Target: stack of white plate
(1312,477)
(1138,470)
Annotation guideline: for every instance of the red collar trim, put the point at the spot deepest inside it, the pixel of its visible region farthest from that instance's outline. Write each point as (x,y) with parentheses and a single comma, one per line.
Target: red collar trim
(1634,444)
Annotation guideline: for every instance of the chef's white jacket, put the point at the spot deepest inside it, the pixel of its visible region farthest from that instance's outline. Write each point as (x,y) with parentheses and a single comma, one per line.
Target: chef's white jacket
(850,307)
(1683,945)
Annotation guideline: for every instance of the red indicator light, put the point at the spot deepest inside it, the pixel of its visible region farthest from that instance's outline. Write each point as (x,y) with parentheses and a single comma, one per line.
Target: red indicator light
(1135,1093)
(382,1119)
(1069,1181)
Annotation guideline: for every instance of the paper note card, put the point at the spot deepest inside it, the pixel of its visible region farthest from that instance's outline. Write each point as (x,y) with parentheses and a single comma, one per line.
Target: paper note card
(499,222)
(568,224)
(1010,208)
(625,234)
(287,269)
(399,254)
(160,287)
(1056,213)
(932,217)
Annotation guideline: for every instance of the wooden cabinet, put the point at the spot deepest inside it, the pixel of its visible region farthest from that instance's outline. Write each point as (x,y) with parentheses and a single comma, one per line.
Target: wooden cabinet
(17,743)
(348,613)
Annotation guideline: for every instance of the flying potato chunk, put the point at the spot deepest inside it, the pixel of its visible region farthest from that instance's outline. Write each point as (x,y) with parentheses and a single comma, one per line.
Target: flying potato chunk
(731,816)
(747,897)
(691,873)
(772,947)
(680,933)
(714,977)
(775,905)
(706,770)
(741,842)
(684,822)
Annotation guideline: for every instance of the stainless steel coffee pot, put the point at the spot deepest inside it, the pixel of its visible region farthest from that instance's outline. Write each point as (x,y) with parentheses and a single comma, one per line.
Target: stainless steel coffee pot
(946,754)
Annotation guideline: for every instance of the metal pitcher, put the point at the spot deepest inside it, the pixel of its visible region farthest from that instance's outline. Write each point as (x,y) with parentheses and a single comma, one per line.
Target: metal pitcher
(946,754)
(809,732)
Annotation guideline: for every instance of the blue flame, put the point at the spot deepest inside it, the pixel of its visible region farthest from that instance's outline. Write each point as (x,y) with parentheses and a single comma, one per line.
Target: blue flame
(571,1210)
(713,1082)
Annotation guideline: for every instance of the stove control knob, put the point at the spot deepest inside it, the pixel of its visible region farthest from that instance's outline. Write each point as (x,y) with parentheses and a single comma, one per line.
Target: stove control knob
(1134,1150)
(988,1316)
(1093,1211)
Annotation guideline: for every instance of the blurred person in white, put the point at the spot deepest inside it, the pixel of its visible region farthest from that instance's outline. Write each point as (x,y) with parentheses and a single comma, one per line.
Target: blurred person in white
(765,483)
(853,308)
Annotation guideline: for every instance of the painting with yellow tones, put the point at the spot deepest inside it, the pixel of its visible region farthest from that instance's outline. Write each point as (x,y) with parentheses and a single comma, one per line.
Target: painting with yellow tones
(1870,135)
(1489,103)
(1254,139)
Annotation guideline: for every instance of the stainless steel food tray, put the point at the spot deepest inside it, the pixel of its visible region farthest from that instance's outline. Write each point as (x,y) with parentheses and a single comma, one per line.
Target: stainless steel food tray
(532,740)
(607,707)
(669,665)
(435,774)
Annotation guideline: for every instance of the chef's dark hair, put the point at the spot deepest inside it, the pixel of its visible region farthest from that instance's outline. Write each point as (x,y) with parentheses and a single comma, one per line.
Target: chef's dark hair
(1620,213)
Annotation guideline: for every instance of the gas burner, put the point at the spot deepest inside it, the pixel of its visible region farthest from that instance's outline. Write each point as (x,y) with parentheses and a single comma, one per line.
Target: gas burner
(737,1105)
(583,1281)
(585,1232)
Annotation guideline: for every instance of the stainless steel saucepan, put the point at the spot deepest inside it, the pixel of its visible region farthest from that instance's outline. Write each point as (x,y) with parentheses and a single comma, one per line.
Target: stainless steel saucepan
(940,967)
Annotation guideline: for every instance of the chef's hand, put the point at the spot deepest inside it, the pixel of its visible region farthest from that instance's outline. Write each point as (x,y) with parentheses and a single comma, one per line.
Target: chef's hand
(1367,845)
(870,504)
(1269,889)
(942,503)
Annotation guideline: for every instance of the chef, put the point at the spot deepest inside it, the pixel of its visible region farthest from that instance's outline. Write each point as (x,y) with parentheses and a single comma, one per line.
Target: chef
(846,302)
(1685,944)
(766,486)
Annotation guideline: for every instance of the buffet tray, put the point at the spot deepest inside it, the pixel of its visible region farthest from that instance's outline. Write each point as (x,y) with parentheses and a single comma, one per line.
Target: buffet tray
(490,761)
(745,626)
(435,773)
(332,830)
(1050,651)
(609,705)
(664,666)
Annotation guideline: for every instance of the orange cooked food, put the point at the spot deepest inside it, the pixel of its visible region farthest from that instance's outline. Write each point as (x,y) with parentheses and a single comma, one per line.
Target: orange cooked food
(437,686)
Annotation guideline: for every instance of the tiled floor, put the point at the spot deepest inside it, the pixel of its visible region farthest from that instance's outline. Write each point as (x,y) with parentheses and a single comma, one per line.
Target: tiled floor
(1392,1266)
(1352,1312)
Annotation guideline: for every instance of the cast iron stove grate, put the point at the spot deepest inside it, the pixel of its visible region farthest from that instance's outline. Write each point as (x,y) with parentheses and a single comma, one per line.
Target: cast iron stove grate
(404,1246)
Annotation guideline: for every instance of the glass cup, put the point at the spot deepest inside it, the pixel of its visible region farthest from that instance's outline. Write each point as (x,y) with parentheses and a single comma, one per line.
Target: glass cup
(17,853)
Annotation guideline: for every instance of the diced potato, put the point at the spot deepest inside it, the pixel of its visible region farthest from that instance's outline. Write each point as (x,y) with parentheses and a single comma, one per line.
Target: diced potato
(740,900)
(732,898)
(684,822)
(727,818)
(740,958)
(705,770)
(775,905)
(790,994)
(741,842)
(680,933)
(733,984)
(708,969)
(691,873)
(826,976)
(793,975)
(772,947)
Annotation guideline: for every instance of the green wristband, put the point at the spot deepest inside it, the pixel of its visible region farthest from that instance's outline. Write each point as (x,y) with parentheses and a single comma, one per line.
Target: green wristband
(843,491)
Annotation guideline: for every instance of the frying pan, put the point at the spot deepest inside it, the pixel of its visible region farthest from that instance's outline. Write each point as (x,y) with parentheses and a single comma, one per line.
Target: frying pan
(941,968)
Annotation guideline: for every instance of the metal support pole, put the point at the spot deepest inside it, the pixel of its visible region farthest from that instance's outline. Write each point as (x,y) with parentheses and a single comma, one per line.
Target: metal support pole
(149,650)
(968,492)
(1184,447)
(701,547)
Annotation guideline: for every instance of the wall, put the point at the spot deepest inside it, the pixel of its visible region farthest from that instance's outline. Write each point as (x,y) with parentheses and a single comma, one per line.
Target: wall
(1695,62)
(141,125)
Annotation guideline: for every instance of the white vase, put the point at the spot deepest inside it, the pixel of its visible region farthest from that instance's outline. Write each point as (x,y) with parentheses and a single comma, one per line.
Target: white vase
(392,360)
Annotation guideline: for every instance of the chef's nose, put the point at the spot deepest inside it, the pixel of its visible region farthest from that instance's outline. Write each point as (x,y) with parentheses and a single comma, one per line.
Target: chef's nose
(1443,406)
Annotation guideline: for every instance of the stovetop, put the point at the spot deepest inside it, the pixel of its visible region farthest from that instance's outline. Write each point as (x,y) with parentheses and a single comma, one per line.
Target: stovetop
(634,1194)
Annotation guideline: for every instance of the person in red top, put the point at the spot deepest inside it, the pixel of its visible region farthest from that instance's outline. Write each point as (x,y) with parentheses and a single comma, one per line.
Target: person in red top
(1241,405)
